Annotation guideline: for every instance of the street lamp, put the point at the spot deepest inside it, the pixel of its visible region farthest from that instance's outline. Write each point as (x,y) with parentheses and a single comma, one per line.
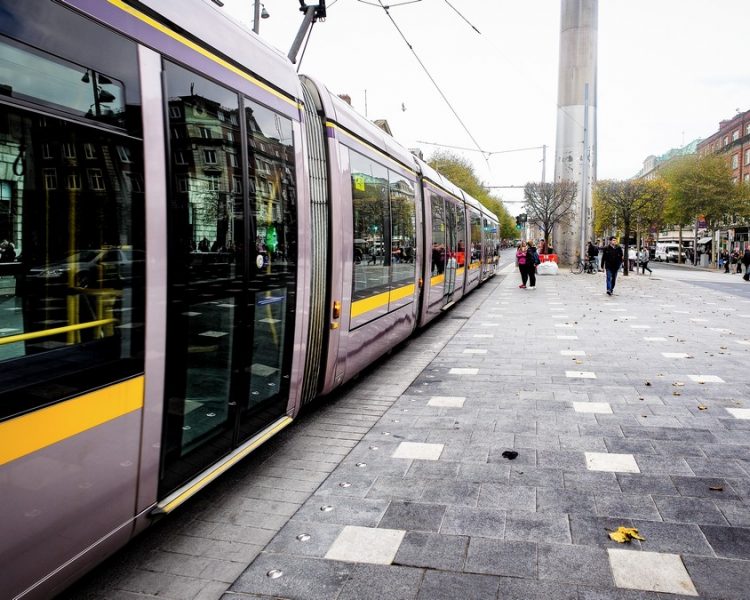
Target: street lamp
(260,13)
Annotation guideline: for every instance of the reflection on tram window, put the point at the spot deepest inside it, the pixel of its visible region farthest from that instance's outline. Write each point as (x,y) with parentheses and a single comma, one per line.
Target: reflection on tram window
(206,255)
(371,247)
(403,230)
(29,75)
(71,253)
(437,260)
(273,209)
(476,237)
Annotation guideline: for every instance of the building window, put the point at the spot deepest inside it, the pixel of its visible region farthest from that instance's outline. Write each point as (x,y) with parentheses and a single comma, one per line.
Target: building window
(69,150)
(747,177)
(183,185)
(210,156)
(46,151)
(747,157)
(233,162)
(74,181)
(735,135)
(175,112)
(89,150)
(213,183)
(205,133)
(96,179)
(133,182)
(726,140)
(237,185)
(747,129)
(124,153)
(735,161)
(50,179)
(179,158)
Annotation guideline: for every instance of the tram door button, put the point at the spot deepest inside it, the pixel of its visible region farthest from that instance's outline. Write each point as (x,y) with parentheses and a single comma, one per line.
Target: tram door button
(336,314)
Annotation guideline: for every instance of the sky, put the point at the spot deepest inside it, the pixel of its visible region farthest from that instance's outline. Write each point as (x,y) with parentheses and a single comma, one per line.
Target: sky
(668,72)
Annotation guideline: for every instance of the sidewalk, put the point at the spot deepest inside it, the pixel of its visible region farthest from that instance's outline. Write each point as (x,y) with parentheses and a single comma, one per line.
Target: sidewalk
(624,411)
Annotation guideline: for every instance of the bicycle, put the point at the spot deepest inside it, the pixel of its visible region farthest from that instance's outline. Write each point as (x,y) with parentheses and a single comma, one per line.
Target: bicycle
(581,265)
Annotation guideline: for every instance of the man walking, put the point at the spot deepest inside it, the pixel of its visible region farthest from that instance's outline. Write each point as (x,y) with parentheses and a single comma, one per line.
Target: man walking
(611,261)
(645,257)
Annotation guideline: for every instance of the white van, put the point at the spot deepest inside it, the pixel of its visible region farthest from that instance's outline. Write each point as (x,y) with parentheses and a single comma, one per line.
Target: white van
(668,252)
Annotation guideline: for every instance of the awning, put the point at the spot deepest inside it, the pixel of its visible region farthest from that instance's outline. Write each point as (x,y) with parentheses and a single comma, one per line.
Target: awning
(704,240)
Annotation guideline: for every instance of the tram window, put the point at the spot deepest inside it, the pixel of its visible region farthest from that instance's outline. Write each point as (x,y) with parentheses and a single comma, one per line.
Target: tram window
(460,235)
(205,246)
(371,226)
(476,236)
(71,263)
(403,230)
(438,234)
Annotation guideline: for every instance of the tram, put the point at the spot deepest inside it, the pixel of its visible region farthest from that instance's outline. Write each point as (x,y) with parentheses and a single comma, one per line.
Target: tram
(203,242)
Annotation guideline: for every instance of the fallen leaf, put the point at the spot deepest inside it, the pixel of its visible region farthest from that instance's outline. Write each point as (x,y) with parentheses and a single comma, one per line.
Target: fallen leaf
(716,488)
(678,384)
(648,383)
(624,535)
(676,394)
(702,407)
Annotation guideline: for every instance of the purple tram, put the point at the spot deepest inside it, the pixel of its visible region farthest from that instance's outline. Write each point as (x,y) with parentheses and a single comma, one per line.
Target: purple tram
(203,243)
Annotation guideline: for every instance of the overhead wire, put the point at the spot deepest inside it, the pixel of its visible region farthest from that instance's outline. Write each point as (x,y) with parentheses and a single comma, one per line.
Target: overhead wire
(432,79)
(464,18)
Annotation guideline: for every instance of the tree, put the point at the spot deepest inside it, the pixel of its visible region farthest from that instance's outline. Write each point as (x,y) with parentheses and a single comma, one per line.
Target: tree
(548,204)
(460,172)
(628,201)
(701,185)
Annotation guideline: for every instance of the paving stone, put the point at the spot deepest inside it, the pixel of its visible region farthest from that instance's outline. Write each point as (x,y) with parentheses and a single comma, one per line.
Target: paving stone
(673,537)
(376,582)
(304,538)
(480,522)
(591,481)
(626,506)
(501,557)
(729,542)
(577,565)
(718,578)
(450,586)
(650,571)
(716,488)
(646,484)
(536,476)
(366,545)
(462,493)
(344,511)
(675,509)
(302,579)
(532,589)
(550,500)
(396,488)
(419,451)
(509,497)
(594,531)
(533,527)
(413,516)
(603,461)
(432,551)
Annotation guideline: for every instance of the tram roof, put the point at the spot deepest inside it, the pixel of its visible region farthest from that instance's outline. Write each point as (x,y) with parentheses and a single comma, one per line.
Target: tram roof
(231,38)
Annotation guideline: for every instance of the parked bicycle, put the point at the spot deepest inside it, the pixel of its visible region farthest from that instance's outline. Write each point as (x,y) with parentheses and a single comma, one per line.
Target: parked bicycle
(588,265)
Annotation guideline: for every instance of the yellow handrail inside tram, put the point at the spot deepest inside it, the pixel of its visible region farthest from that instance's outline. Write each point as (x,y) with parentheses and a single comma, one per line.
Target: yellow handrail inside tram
(21,337)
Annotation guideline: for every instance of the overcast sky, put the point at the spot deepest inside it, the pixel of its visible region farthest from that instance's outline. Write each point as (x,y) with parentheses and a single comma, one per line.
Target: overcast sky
(669,71)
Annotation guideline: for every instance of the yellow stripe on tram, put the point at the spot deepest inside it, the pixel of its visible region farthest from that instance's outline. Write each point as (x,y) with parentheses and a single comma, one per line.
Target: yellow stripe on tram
(402,292)
(193,46)
(437,279)
(46,426)
(365,305)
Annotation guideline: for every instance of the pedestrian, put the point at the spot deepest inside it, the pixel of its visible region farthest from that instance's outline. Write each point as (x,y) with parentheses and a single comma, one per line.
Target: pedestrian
(724,260)
(532,260)
(645,257)
(738,260)
(746,262)
(593,252)
(521,263)
(611,261)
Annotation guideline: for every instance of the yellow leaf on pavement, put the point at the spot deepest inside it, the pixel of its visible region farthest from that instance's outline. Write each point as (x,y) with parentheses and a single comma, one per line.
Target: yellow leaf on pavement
(624,535)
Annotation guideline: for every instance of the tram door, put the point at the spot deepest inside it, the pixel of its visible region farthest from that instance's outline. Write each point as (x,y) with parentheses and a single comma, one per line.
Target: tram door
(443,262)
(231,273)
